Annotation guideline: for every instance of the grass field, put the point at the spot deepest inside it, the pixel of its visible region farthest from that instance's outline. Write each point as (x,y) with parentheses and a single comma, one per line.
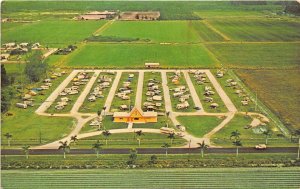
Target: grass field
(163,31)
(199,125)
(282,96)
(49,33)
(279,55)
(107,123)
(27,127)
(135,55)
(163,178)
(239,29)
(249,137)
(129,140)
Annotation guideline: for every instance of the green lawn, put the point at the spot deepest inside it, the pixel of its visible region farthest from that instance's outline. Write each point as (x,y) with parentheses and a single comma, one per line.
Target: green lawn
(117,102)
(249,137)
(27,127)
(88,106)
(258,29)
(135,55)
(200,89)
(52,33)
(280,55)
(163,178)
(161,122)
(157,31)
(108,124)
(129,140)
(175,100)
(199,125)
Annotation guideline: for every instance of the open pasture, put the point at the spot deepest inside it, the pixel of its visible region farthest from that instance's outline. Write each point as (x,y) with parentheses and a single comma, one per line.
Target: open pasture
(261,29)
(162,31)
(269,55)
(49,33)
(135,55)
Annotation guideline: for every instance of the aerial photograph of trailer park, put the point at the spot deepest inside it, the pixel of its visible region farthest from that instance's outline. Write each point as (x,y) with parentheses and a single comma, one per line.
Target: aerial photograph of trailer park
(150,94)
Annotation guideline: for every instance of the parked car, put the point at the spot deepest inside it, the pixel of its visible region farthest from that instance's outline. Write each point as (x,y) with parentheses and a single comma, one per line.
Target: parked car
(261,147)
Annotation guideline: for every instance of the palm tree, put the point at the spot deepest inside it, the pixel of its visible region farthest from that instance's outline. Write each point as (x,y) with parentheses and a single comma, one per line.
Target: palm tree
(235,135)
(171,136)
(8,137)
(97,147)
(166,146)
(203,147)
(106,134)
(267,134)
(65,147)
(26,150)
(167,119)
(74,139)
(297,132)
(237,143)
(139,135)
(104,108)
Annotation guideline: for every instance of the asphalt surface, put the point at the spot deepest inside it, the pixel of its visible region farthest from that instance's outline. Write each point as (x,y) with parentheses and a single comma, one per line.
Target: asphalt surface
(152,151)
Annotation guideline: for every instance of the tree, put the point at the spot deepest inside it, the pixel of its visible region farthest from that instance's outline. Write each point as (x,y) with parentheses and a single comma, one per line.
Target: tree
(26,150)
(104,108)
(235,136)
(65,147)
(8,137)
(267,134)
(171,136)
(237,143)
(167,119)
(153,159)
(36,68)
(132,157)
(297,133)
(106,134)
(99,112)
(74,139)
(203,147)
(4,77)
(166,146)
(139,135)
(97,147)
(7,94)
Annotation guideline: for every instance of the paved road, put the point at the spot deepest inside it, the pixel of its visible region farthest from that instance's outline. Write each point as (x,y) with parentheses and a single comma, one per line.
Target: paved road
(153,151)
(139,90)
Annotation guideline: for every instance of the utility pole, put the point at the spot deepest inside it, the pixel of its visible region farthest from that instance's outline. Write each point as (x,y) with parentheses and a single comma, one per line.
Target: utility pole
(255,100)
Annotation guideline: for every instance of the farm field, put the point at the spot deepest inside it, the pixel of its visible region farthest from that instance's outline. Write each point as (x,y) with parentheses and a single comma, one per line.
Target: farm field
(272,55)
(162,31)
(282,96)
(227,178)
(199,125)
(129,140)
(50,33)
(250,29)
(121,55)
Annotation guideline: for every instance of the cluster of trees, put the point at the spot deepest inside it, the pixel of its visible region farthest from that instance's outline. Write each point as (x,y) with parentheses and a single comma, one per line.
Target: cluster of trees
(35,69)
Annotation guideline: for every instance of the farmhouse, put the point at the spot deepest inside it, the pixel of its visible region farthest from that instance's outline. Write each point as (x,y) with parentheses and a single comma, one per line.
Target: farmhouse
(96,15)
(139,15)
(135,116)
